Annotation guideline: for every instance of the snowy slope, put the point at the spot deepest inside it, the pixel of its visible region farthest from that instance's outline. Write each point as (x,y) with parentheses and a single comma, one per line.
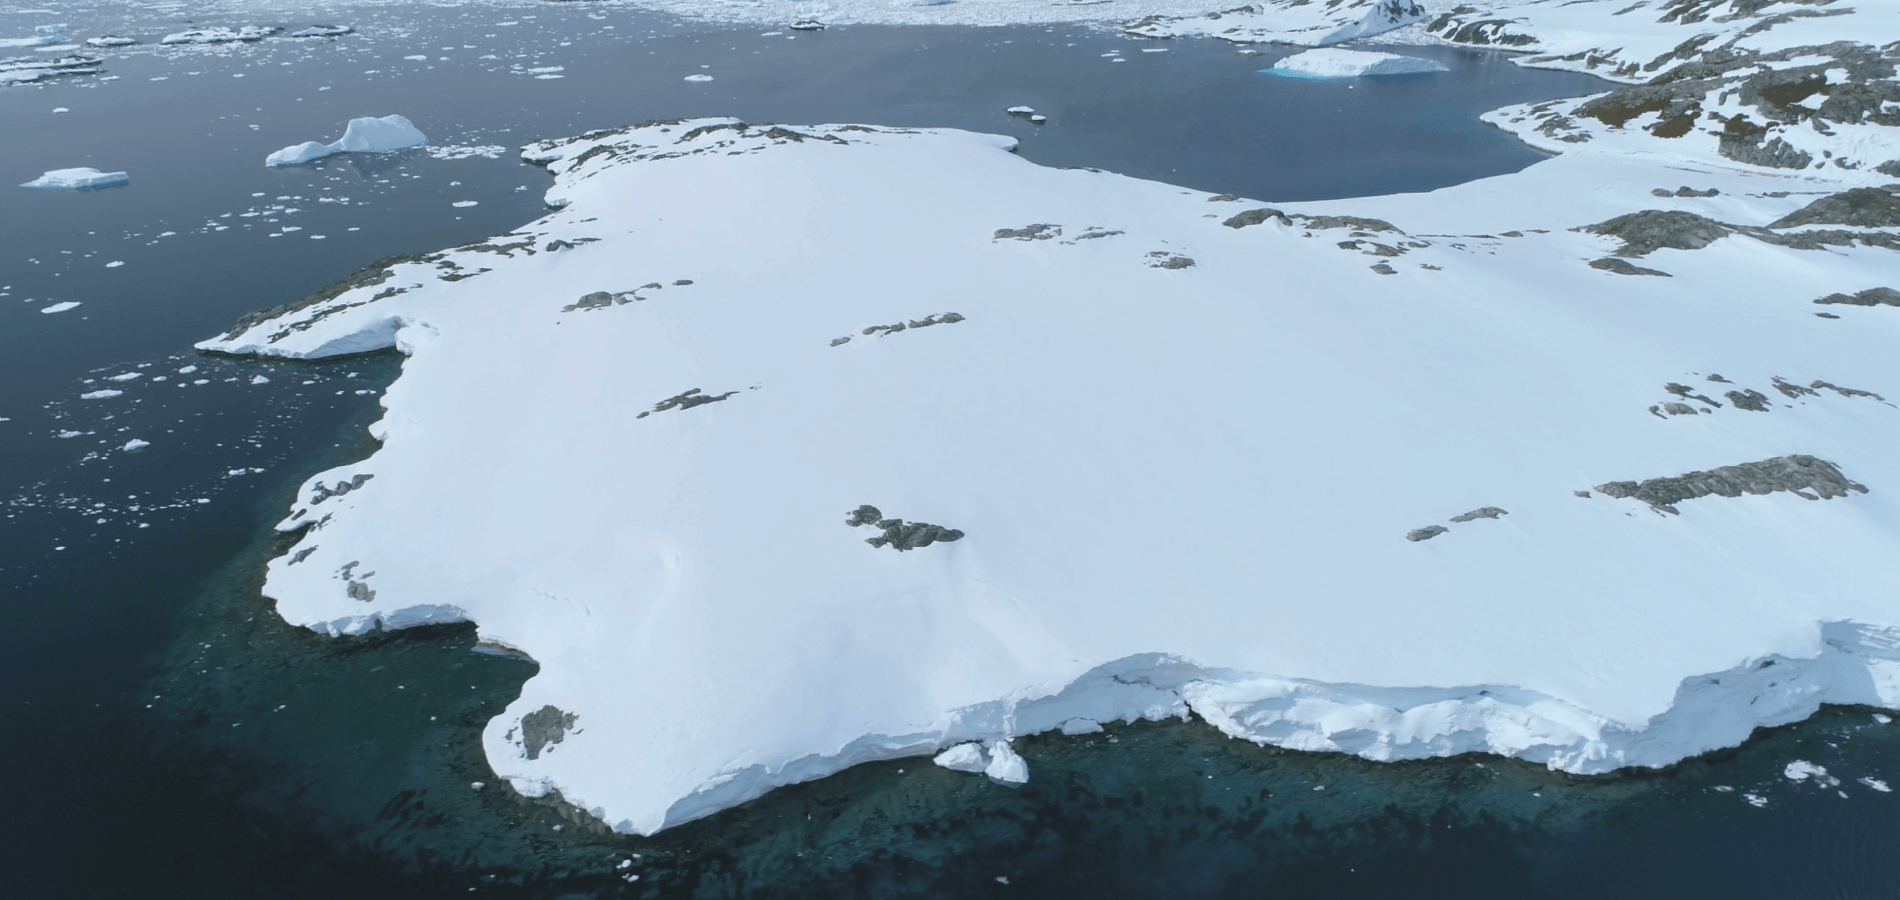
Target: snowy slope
(1220,462)
(1554,464)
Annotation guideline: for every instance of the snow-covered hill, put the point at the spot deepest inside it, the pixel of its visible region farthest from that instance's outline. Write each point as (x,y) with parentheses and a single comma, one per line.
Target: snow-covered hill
(785,448)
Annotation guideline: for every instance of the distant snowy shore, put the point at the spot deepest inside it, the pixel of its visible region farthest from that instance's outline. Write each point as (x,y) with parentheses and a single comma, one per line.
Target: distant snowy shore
(1588,465)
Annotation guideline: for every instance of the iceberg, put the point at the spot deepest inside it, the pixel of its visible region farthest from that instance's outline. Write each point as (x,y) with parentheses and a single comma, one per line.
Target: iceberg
(77,179)
(1332,62)
(364,135)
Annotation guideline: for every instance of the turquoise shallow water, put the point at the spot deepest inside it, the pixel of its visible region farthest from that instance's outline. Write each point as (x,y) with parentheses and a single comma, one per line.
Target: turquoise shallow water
(172,737)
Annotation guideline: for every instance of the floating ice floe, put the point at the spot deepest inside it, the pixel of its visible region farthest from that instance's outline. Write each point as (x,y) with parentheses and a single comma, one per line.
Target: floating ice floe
(110,40)
(82,178)
(135,445)
(61,306)
(1332,62)
(221,35)
(15,71)
(321,31)
(364,135)
(43,35)
(101,394)
(699,77)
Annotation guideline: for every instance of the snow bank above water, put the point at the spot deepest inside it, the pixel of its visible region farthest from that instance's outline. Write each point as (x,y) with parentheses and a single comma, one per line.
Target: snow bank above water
(1335,63)
(1181,443)
(364,135)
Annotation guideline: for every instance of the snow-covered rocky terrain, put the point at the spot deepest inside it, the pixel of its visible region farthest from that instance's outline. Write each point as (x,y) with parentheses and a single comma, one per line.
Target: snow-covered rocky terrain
(786,448)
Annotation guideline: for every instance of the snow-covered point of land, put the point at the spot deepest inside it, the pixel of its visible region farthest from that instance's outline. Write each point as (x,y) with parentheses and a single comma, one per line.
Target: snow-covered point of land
(1300,22)
(77,179)
(386,134)
(1398,476)
(1333,62)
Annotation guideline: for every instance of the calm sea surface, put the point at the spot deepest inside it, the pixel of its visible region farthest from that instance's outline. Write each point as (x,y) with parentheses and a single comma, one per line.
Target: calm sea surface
(169,736)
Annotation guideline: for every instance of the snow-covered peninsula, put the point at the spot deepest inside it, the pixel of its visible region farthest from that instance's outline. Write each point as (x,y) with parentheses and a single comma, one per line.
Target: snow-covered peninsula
(783,448)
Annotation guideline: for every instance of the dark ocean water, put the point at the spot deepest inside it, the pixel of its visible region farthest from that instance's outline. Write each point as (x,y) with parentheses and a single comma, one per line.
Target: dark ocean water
(170,736)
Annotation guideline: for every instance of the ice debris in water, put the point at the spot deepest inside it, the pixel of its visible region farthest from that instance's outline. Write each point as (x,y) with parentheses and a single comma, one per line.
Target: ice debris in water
(135,445)
(364,135)
(77,179)
(1802,770)
(1005,765)
(963,758)
(61,306)
(699,77)
(1877,785)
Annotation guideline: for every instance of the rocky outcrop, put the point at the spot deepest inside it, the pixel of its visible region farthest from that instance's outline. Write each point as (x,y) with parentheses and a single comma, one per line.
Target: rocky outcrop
(1804,476)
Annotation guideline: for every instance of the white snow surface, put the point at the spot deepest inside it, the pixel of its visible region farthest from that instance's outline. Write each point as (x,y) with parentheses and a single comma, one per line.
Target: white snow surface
(76,179)
(363,135)
(1183,489)
(1332,62)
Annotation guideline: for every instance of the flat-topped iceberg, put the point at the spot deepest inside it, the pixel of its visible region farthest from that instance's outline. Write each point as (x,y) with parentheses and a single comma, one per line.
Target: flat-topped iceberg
(77,179)
(1332,62)
(221,35)
(365,135)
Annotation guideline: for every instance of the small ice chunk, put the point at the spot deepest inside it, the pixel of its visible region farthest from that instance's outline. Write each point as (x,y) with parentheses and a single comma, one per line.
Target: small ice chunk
(260,380)
(1019,110)
(420,57)
(115,264)
(109,40)
(81,178)
(477,785)
(321,31)
(1081,726)
(464,204)
(60,109)
(1802,770)
(1005,765)
(128,376)
(188,370)
(963,758)
(699,77)
(1877,785)
(1882,718)
(61,306)
(102,394)
(1755,800)
(135,445)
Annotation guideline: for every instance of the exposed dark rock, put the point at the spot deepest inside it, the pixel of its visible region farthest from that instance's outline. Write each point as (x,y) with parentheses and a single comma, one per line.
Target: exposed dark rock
(1094,233)
(1677,409)
(1482,512)
(1751,400)
(324,492)
(1684,191)
(545,726)
(1383,269)
(1624,267)
(1426,533)
(686,400)
(595,300)
(1793,391)
(1875,296)
(1354,222)
(1257,216)
(1223,198)
(1802,475)
(1858,208)
(1645,232)
(1846,391)
(1162,259)
(898,534)
(1040,232)
(1688,393)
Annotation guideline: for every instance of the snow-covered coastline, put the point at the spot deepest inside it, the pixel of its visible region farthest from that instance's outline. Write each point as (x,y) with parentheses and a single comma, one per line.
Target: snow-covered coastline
(1251,462)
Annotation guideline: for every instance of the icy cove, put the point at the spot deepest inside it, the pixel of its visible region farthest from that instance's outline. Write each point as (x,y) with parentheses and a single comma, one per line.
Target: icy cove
(786,448)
